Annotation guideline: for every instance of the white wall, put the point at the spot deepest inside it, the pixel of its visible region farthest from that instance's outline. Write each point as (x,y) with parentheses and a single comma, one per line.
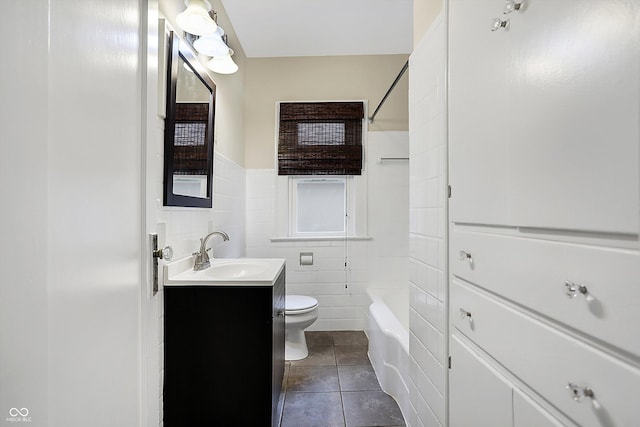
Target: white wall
(428,227)
(376,262)
(183,227)
(424,14)
(325,78)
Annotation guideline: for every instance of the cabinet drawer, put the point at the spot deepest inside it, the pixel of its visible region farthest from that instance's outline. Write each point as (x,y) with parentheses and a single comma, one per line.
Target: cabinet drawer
(534,272)
(548,360)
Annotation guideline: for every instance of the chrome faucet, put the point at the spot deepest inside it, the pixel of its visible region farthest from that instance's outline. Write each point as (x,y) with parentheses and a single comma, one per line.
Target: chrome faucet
(201,260)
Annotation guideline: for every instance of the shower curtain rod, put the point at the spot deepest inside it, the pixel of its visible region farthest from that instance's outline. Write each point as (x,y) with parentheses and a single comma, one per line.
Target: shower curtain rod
(384,98)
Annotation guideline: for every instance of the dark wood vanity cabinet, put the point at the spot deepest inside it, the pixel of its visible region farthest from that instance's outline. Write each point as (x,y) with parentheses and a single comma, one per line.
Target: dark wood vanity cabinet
(223,355)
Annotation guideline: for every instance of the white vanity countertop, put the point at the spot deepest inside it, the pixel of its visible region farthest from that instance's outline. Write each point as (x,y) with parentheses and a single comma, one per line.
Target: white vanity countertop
(224,272)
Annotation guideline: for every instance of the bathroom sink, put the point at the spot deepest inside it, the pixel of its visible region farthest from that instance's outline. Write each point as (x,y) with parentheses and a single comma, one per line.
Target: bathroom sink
(232,271)
(236,269)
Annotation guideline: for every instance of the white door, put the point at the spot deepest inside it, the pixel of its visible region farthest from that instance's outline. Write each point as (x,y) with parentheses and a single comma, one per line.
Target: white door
(70,144)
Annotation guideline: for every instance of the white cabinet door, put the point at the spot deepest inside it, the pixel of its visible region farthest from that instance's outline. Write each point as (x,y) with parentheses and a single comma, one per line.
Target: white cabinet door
(574,86)
(478,396)
(478,113)
(543,116)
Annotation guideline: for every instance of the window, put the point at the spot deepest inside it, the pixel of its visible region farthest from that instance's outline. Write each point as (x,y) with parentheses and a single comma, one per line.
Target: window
(310,133)
(322,186)
(322,207)
(319,206)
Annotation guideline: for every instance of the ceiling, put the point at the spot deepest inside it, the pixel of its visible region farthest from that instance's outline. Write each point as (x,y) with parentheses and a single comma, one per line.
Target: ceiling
(279,28)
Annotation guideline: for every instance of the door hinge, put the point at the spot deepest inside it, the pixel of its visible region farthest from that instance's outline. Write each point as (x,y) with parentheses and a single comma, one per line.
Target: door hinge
(449,362)
(449,191)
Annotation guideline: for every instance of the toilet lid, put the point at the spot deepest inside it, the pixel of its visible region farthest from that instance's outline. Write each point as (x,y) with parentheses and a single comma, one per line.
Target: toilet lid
(299,302)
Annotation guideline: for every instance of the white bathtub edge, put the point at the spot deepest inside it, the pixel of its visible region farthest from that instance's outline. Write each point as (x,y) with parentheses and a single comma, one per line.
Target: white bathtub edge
(389,350)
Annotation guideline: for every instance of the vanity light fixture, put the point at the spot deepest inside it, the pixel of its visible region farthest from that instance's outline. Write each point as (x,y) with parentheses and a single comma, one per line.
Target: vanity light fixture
(212,45)
(196,19)
(223,64)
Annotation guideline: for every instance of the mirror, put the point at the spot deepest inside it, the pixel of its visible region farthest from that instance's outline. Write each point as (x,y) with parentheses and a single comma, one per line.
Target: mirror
(188,131)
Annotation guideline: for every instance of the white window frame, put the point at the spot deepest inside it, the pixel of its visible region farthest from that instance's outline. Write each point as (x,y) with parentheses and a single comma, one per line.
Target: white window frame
(356,198)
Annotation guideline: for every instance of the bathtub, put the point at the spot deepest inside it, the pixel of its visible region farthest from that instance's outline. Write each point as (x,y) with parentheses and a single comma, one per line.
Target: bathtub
(388,332)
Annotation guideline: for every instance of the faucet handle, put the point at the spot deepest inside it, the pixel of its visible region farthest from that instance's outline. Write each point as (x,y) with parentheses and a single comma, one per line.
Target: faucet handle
(198,253)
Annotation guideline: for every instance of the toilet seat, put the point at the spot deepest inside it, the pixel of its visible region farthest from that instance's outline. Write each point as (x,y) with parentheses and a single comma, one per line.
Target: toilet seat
(299,304)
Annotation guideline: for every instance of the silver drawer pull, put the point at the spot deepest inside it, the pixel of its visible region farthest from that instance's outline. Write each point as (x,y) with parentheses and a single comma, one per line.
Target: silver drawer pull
(464,314)
(513,6)
(573,289)
(579,393)
(465,256)
(499,23)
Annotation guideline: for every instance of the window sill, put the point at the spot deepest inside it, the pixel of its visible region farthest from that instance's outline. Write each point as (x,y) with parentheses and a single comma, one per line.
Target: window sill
(319,238)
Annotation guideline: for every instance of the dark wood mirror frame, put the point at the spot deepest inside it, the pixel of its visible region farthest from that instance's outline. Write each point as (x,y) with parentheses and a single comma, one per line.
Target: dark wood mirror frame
(177,49)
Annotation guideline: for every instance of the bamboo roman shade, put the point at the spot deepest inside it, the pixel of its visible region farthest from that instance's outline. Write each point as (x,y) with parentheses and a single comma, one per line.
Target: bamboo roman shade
(320,138)
(190,139)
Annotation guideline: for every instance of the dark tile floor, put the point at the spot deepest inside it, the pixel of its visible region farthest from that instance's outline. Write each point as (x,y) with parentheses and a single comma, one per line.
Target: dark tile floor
(335,386)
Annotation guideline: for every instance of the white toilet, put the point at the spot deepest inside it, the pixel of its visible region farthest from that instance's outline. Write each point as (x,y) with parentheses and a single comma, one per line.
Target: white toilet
(300,313)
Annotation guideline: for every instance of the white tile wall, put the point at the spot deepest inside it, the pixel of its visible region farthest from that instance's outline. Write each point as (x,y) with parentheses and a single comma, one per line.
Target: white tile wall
(380,261)
(185,226)
(229,198)
(428,227)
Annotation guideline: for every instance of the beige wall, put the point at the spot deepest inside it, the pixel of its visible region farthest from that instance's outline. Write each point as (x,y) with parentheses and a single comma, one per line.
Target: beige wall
(230,89)
(269,80)
(424,12)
